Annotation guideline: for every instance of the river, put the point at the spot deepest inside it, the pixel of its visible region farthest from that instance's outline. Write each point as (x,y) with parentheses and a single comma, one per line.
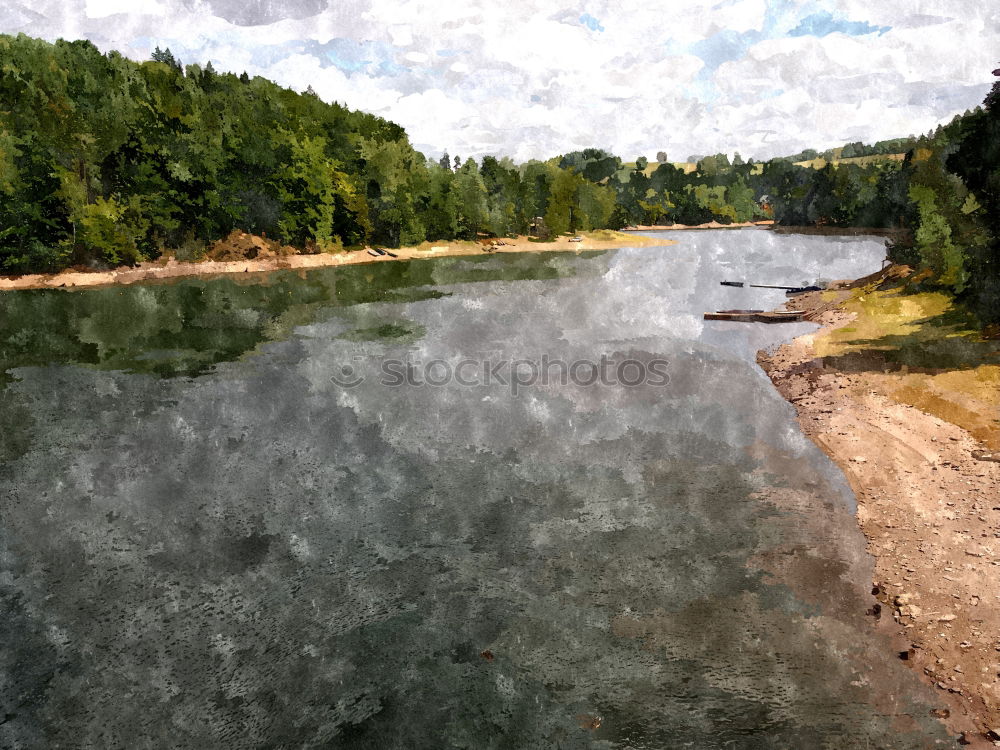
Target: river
(509,501)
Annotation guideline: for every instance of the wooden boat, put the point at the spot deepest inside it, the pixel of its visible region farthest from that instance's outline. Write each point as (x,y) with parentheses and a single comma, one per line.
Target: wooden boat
(789,290)
(374,254)
(757,316)
(802,290)
(390,253)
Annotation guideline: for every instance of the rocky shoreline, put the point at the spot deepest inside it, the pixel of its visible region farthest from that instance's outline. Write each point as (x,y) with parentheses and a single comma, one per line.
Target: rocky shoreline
(928,497)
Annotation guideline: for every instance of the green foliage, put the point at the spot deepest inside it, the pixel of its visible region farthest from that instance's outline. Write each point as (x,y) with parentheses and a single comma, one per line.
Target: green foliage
(506,197)
(97,150)
(319,204)
(743,201)
(109,229)
(470,194)
(933,241)
(560,216)
(104,161)
(597,205)
(713,199)
(394,175)
(596,165)
(441,204)
(974,156)
(8,167)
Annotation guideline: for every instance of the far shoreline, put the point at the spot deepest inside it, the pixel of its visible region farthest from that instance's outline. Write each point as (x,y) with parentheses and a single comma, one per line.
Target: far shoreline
(773,226)
(767,224)
(170,269)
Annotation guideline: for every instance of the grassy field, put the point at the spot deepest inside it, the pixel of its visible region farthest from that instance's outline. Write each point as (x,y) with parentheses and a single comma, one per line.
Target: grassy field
(690,166)
(923,351)
(862,161)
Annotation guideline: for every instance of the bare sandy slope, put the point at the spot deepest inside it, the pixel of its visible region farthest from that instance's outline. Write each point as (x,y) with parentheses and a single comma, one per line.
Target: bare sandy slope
(766,224)
(170,269)
(929,508)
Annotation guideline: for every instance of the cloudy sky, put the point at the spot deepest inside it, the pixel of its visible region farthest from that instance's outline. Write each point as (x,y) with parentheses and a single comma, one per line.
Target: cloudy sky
(533,78)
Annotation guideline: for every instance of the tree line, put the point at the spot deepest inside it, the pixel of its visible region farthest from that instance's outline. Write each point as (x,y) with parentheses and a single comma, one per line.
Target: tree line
(953,185)
(107,161)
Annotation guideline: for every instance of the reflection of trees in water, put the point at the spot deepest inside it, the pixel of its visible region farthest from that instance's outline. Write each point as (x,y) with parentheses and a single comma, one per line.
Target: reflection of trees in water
(185,328)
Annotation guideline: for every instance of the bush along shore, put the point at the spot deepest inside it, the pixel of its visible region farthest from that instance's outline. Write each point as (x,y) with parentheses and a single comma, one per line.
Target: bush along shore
(902,390)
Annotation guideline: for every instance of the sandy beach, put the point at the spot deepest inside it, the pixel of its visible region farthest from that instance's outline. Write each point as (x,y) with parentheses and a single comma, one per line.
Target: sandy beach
(766,224)
(171,269)
(915,444)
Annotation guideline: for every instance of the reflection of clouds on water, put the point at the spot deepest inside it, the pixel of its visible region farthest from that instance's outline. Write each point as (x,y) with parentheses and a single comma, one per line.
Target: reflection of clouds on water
(648,301)
(658,556)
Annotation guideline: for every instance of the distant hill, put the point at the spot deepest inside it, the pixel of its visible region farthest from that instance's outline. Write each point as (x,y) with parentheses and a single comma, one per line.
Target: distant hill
(862,161)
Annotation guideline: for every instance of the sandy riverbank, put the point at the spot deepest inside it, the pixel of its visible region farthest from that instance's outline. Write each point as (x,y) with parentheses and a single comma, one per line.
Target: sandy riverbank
(171,269)
(708,225)
(909,435)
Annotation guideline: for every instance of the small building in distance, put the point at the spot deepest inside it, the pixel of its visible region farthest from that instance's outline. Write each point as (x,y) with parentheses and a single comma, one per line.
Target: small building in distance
(538,228)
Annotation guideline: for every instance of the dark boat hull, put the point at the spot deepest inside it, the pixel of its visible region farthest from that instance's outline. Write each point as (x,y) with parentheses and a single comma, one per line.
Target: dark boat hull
(757,316)
(802,290)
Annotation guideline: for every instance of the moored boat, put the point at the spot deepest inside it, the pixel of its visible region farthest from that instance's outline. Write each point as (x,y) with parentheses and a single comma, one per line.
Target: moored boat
(757,316)
(802,290)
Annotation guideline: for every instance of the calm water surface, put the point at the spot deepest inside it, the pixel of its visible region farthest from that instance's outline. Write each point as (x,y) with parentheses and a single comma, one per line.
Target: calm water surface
(209,540)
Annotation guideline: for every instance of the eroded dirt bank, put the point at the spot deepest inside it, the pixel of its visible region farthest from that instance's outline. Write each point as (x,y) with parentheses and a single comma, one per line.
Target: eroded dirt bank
(915,441)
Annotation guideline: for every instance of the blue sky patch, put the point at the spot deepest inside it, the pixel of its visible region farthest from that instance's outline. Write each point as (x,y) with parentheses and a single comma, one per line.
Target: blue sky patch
(823,23)
(346,64)
(349,56)
(724,46)
(591,23)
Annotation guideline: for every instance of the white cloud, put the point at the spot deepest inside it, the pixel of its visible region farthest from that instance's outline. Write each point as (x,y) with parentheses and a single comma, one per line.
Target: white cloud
(402,36)
(533,78)
(104,8)
(743,15)
(840,88)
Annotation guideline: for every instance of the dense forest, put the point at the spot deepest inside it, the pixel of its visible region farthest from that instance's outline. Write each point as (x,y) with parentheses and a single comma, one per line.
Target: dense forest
(106,161)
